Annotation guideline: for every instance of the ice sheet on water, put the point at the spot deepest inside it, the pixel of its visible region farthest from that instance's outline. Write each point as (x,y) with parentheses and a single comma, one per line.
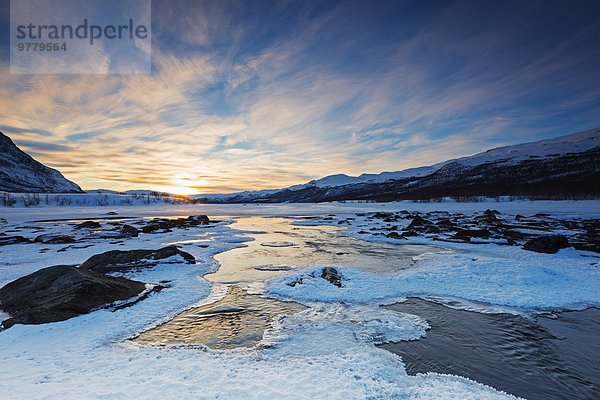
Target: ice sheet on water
(498,275)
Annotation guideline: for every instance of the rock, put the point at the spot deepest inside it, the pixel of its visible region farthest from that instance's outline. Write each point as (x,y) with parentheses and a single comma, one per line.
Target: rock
(130,231)
(487,219)
(409,233)
(3,221)
(383,215)
(88,225)
(118,260)
(7,240)
(511,234)
(150,228)
(111,213)
(54,239)
(330,274)
(472,233)
(549,244)
(446,224)
(168,224)
(62,292)
(491,212)
(395,235)
(418,222)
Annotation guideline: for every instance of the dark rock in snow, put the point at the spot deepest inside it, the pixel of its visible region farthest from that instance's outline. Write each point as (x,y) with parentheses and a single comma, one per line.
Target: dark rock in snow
(6,240)
(150,228)
(118,260)
(409,233)
(472,233)
(549,244)
(168,224)
(383,215)
(130,231)
(62,292)
(395,235)
(418,222)
(54,239)
(111,213)
(445,223)
(88,225)
(331,274)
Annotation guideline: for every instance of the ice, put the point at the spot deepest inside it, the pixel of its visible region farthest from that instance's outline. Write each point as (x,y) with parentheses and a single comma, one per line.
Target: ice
(498,275)
(325,352)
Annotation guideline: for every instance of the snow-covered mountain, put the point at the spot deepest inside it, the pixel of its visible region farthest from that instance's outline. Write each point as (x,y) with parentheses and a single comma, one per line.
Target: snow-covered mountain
(21,173)
(552,167)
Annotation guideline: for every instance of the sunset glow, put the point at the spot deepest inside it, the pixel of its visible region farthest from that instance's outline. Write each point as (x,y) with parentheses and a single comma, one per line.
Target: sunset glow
(303,90)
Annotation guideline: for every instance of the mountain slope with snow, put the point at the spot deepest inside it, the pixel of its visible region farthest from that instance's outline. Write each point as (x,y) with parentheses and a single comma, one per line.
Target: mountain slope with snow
(557,167)
(19,172)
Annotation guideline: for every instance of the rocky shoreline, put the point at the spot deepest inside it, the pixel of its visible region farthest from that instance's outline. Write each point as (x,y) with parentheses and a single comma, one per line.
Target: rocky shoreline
(60,292)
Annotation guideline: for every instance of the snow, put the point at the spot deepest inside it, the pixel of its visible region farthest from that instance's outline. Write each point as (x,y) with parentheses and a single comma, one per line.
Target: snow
(89,356)
(497,275)
(18,171)
(325,352)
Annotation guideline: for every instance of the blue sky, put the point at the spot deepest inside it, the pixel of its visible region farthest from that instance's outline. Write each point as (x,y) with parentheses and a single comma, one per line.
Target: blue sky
(253,95)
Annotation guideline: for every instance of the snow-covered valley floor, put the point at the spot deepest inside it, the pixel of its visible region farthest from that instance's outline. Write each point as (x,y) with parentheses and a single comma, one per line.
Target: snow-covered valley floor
(327,350)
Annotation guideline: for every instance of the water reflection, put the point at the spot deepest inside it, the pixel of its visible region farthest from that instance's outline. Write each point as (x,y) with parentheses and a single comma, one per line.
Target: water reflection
(277,243)
(237,320)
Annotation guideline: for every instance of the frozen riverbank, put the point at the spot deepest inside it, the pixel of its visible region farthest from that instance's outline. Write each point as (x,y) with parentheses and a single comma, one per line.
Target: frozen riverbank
(325,351)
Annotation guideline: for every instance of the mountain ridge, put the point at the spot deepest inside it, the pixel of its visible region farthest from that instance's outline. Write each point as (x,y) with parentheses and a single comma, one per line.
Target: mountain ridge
(19,172)
(550,165)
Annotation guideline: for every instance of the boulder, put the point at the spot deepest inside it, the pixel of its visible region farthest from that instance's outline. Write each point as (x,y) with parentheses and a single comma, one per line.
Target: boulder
(88,225)
(130,231)
(395,235)
(62,292)
(549,244)
(331,274)
(119,260)
(472,233)
(383,215)
(6,240)
(418,222)
(150,228)
(54,239)
(445,224)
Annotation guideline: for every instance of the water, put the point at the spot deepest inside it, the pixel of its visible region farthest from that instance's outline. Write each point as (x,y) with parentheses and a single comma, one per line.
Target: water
(238,319)
(278,243)
(535,359)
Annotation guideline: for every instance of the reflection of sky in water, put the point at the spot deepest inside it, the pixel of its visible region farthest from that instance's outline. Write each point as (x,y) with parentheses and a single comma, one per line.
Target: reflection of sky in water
(309,246)
(237,320)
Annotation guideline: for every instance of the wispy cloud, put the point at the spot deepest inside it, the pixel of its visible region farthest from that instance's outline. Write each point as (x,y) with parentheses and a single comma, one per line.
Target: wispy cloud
(250,95)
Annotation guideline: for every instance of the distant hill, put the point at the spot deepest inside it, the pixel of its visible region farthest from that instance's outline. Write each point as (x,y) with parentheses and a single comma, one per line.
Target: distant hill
(19,172)
(562,167)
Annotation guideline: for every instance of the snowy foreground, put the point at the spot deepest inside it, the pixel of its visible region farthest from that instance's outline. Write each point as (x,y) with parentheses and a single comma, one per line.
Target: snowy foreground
(326,351)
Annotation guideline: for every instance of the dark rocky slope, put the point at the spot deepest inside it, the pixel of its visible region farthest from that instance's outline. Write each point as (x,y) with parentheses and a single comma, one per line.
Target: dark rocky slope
(19,172)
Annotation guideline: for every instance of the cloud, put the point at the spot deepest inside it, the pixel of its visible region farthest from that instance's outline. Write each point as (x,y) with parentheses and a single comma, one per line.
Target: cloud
(266,95)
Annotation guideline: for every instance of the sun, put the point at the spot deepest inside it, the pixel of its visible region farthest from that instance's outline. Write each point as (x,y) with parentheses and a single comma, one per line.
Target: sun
(183,184)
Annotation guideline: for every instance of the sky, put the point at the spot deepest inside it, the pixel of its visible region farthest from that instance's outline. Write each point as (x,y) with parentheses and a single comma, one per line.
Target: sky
(248,95)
